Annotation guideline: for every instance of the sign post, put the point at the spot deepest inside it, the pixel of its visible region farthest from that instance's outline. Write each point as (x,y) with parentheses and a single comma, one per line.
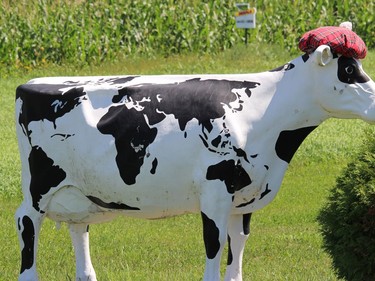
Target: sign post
(245,17)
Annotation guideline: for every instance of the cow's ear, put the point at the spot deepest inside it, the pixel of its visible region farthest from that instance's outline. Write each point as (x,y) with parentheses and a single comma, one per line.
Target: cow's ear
(323,55)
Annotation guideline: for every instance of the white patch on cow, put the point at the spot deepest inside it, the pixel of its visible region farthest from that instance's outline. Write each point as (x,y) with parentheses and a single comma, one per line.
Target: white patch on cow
(129,103)
(235,105)
(138,147)
(158,97)
(167,126)
(98,97)
(70,200)
(57,104)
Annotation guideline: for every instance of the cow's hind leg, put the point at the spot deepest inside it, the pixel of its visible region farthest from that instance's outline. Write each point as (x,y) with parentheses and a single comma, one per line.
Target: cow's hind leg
(80,238)
(28,222)
(238,232)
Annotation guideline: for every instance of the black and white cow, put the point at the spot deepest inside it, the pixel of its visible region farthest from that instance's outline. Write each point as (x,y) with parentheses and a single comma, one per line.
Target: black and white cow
(159,146)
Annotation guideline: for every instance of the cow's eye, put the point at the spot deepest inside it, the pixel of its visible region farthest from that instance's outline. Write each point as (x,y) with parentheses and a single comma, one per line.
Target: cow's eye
(349,69)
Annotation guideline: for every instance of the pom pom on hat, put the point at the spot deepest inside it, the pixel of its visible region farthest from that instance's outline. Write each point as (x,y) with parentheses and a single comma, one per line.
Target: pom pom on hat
(347,24)
(342,40)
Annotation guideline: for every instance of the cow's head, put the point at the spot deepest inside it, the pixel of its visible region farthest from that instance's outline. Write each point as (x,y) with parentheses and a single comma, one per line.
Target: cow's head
(341,87)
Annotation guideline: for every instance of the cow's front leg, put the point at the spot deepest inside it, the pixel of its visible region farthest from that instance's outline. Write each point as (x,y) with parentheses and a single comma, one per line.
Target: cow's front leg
(238,232)
(28,222)
(80,238)
(215,209)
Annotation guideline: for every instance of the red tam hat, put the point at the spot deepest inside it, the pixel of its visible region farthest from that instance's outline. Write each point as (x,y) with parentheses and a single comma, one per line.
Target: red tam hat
(341,40)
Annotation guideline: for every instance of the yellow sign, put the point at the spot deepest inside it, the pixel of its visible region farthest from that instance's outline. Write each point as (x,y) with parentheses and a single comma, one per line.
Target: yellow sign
(246,12)
(246,18)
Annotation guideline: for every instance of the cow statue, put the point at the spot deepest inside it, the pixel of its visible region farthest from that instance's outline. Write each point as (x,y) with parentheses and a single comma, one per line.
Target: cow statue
(153,147)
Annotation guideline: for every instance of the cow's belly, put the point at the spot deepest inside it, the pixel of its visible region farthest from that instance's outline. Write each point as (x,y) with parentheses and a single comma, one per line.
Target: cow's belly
(69,204)
(99,199)
(169,192)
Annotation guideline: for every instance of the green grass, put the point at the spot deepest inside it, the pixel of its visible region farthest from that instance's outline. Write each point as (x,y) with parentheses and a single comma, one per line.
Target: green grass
(285,243)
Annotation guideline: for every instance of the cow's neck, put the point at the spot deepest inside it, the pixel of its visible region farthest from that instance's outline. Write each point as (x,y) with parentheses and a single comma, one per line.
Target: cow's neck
(290,114)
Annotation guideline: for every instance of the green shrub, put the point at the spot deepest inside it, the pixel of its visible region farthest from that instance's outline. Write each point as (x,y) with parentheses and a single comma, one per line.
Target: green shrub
(348,220)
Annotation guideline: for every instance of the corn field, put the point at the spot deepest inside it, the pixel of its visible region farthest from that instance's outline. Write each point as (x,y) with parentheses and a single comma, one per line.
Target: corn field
(38,32)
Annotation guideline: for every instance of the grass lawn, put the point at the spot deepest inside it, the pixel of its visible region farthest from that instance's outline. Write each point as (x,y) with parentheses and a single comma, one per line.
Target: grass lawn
(285,243)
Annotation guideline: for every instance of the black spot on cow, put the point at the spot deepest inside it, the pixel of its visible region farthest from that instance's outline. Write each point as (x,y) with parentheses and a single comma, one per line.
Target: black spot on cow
(289,66)
(120,80)
(28,238)
(132,137)
(246,223)
(289,141)
(248,93)
(246,203)
(349,71)
(110,205)
(284,67)
(216,141)
(230,254)
(224,144)
(202,100)
(210,236)
(44,101)
(44,175)
(265,192)
(305,57)
(233,175)
(241,153)
(204,135)
(63,136)
(154,166)
(205,143)
(71,82)
(279,68)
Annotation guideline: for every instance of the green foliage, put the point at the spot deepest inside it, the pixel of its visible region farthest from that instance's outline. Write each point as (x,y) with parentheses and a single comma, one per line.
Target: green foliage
(92,31)
(348,220)
(47,31)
